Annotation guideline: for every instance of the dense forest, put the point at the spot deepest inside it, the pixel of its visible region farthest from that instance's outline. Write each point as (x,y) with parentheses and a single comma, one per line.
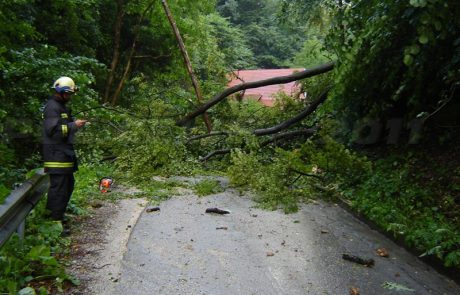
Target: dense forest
(379,129)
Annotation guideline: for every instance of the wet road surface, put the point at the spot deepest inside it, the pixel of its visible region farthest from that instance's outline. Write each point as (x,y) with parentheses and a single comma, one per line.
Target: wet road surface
(183,250)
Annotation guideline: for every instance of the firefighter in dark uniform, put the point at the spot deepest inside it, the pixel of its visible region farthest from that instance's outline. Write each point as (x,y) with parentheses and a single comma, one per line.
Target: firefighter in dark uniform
(59,130)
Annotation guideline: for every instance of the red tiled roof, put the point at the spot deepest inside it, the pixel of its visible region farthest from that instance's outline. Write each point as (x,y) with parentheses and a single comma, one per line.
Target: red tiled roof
(264,94)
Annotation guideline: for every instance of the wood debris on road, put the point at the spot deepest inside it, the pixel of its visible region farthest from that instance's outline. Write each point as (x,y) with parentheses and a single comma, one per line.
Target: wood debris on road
(359,260)
(217,211)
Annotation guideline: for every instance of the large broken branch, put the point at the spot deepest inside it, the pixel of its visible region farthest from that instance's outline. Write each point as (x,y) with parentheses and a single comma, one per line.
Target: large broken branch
(275,129)
(272,81)
(310,109)
(214,153)
(275,138)
(289,134)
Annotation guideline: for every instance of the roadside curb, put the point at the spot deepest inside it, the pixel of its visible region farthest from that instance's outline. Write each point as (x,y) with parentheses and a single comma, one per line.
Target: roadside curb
(433,261)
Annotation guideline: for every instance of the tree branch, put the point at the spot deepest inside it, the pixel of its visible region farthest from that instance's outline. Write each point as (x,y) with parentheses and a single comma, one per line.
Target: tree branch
(187,62)
(307,111)
(285,135)
(307,174)
(206,135)
(116,48)
(214,153)
(272,81)
(289,134)
(131,54)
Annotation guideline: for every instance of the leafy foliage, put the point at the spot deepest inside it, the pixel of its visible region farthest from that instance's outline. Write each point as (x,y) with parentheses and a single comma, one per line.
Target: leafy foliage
(34,259)
(394,59)
(393,197)
(208,187)
(151,147)
(289,176)
(409,48)
(272,43)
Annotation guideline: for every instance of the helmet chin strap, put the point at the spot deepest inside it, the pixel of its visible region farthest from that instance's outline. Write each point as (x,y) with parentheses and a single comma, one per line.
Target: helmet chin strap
(62,97)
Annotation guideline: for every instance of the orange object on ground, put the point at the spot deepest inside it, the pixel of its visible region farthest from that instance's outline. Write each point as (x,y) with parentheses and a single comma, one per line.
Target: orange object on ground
(105,184)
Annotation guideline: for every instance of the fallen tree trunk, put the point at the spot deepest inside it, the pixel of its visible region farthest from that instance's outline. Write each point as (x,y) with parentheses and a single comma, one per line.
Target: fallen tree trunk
(272,81)
(310,109)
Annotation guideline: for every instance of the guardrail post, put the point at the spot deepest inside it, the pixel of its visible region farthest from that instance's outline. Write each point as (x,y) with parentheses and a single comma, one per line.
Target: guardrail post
(21,230)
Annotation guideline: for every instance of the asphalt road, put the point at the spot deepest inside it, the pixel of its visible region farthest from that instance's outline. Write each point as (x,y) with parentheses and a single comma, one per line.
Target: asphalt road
(180,250)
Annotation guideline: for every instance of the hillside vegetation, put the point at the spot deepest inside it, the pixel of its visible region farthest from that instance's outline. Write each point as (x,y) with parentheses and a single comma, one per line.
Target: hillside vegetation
(380,131)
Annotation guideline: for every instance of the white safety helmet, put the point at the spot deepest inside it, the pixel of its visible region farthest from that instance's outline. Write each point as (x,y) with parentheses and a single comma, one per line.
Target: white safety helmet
(65,85)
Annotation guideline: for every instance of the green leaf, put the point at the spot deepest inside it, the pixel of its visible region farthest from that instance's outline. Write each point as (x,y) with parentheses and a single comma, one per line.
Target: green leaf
(49,260)
(414,49)
(28,279)
(408,59)
(441,230)
(453,259)
(74,280)
(418,3)
(396,287)
(37,251)
(51,229)
(423,39)
(438,25)
(27,291)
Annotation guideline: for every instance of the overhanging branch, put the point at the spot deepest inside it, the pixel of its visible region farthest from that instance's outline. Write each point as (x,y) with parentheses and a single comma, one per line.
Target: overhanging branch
(286,135)
(272,81)
(310,109)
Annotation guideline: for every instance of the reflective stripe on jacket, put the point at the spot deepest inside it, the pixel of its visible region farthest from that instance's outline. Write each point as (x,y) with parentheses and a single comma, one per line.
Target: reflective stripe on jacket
(58,136)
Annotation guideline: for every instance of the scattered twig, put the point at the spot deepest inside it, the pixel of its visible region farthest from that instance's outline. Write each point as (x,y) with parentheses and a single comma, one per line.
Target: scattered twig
(306,174)
(100,267)
(382,252)
(452,91)
(289,134)
(201,136)
(212,154)
(152,209)
(151,56)
(359,260)
(354,291)
(217,210)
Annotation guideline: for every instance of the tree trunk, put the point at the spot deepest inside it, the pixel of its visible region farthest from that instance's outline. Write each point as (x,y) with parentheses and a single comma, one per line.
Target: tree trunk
(116,48)
(188,64)
(272,81)
(130,56)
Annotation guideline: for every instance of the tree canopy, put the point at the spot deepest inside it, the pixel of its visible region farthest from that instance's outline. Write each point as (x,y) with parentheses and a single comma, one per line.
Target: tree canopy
(375,72)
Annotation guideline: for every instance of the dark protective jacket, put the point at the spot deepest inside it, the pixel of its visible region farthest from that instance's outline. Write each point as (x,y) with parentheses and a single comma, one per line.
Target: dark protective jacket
(59,131)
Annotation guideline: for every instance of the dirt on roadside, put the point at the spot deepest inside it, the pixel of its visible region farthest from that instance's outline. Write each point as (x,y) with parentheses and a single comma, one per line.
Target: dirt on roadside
(98,243)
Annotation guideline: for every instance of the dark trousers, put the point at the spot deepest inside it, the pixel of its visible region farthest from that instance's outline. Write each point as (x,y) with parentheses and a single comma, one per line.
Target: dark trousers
(61,188)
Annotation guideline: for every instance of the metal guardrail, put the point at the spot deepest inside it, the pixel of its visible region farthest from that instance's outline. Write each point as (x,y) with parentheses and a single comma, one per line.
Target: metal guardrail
(18,205)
